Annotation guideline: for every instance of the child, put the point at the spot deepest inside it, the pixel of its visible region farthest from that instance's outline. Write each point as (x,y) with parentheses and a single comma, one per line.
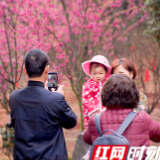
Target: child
(98,69)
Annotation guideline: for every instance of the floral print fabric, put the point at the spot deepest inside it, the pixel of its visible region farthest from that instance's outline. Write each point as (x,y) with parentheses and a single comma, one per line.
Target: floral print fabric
(91,99)
(143,103)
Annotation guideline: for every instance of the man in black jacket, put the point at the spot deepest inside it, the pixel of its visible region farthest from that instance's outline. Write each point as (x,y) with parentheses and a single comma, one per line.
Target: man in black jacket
(38,115)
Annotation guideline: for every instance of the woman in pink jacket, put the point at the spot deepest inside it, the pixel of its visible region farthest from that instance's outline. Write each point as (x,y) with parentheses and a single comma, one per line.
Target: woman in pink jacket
(98,69)
(120,96)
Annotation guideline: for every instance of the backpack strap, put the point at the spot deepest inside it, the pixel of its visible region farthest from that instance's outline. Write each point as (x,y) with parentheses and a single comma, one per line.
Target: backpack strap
(122,127)
(126,122)
(97,122)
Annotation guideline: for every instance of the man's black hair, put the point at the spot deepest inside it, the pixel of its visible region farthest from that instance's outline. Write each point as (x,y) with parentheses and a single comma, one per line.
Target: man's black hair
(35,62)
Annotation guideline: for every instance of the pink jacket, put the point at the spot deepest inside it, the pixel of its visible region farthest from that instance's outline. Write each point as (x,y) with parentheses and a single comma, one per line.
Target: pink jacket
(91,99)
(142,129)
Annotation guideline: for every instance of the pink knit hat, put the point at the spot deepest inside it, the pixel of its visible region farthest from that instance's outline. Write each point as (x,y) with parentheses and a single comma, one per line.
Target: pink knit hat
(99,59)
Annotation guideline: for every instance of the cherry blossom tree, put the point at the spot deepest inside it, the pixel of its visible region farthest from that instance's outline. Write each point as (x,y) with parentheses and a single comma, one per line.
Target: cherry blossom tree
(12,43)
(17,27)
(70,31)
(76,30)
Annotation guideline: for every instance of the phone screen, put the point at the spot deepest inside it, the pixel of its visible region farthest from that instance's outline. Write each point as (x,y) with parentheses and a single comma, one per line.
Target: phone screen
(52,80)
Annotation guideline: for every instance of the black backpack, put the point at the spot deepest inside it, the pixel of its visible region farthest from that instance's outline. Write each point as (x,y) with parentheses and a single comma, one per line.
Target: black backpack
(112,139)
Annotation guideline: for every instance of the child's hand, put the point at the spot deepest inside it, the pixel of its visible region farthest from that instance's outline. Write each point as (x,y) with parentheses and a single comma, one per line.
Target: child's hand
(94,112)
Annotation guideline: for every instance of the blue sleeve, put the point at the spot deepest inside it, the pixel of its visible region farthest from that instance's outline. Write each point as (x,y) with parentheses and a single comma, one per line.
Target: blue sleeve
(67,117)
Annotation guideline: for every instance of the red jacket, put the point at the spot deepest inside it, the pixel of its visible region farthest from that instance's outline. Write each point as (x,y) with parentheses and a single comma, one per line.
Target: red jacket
(91,99)
(140,131)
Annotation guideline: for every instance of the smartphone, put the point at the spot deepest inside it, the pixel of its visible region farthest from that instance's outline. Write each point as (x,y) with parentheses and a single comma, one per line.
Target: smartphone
(52,80)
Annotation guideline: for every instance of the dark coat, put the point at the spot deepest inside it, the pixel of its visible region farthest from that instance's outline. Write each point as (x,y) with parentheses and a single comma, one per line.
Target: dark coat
(38,116)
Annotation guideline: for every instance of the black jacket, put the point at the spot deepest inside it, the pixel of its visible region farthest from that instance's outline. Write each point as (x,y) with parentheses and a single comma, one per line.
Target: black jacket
(38,116)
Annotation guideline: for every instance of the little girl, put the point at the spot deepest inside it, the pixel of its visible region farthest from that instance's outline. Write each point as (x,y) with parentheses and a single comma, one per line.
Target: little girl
(98,69)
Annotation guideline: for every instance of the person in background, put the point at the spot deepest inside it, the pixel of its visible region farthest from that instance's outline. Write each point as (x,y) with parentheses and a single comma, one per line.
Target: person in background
(98,69)
(38,115)
(120,96)
(126,67)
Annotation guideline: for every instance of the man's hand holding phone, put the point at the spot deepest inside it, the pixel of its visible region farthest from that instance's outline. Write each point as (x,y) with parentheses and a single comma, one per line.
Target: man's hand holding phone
(59,90)
(52,83)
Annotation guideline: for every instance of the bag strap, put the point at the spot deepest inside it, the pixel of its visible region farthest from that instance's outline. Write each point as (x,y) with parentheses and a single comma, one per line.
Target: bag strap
(97,122)
(122,127)
(126,122)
